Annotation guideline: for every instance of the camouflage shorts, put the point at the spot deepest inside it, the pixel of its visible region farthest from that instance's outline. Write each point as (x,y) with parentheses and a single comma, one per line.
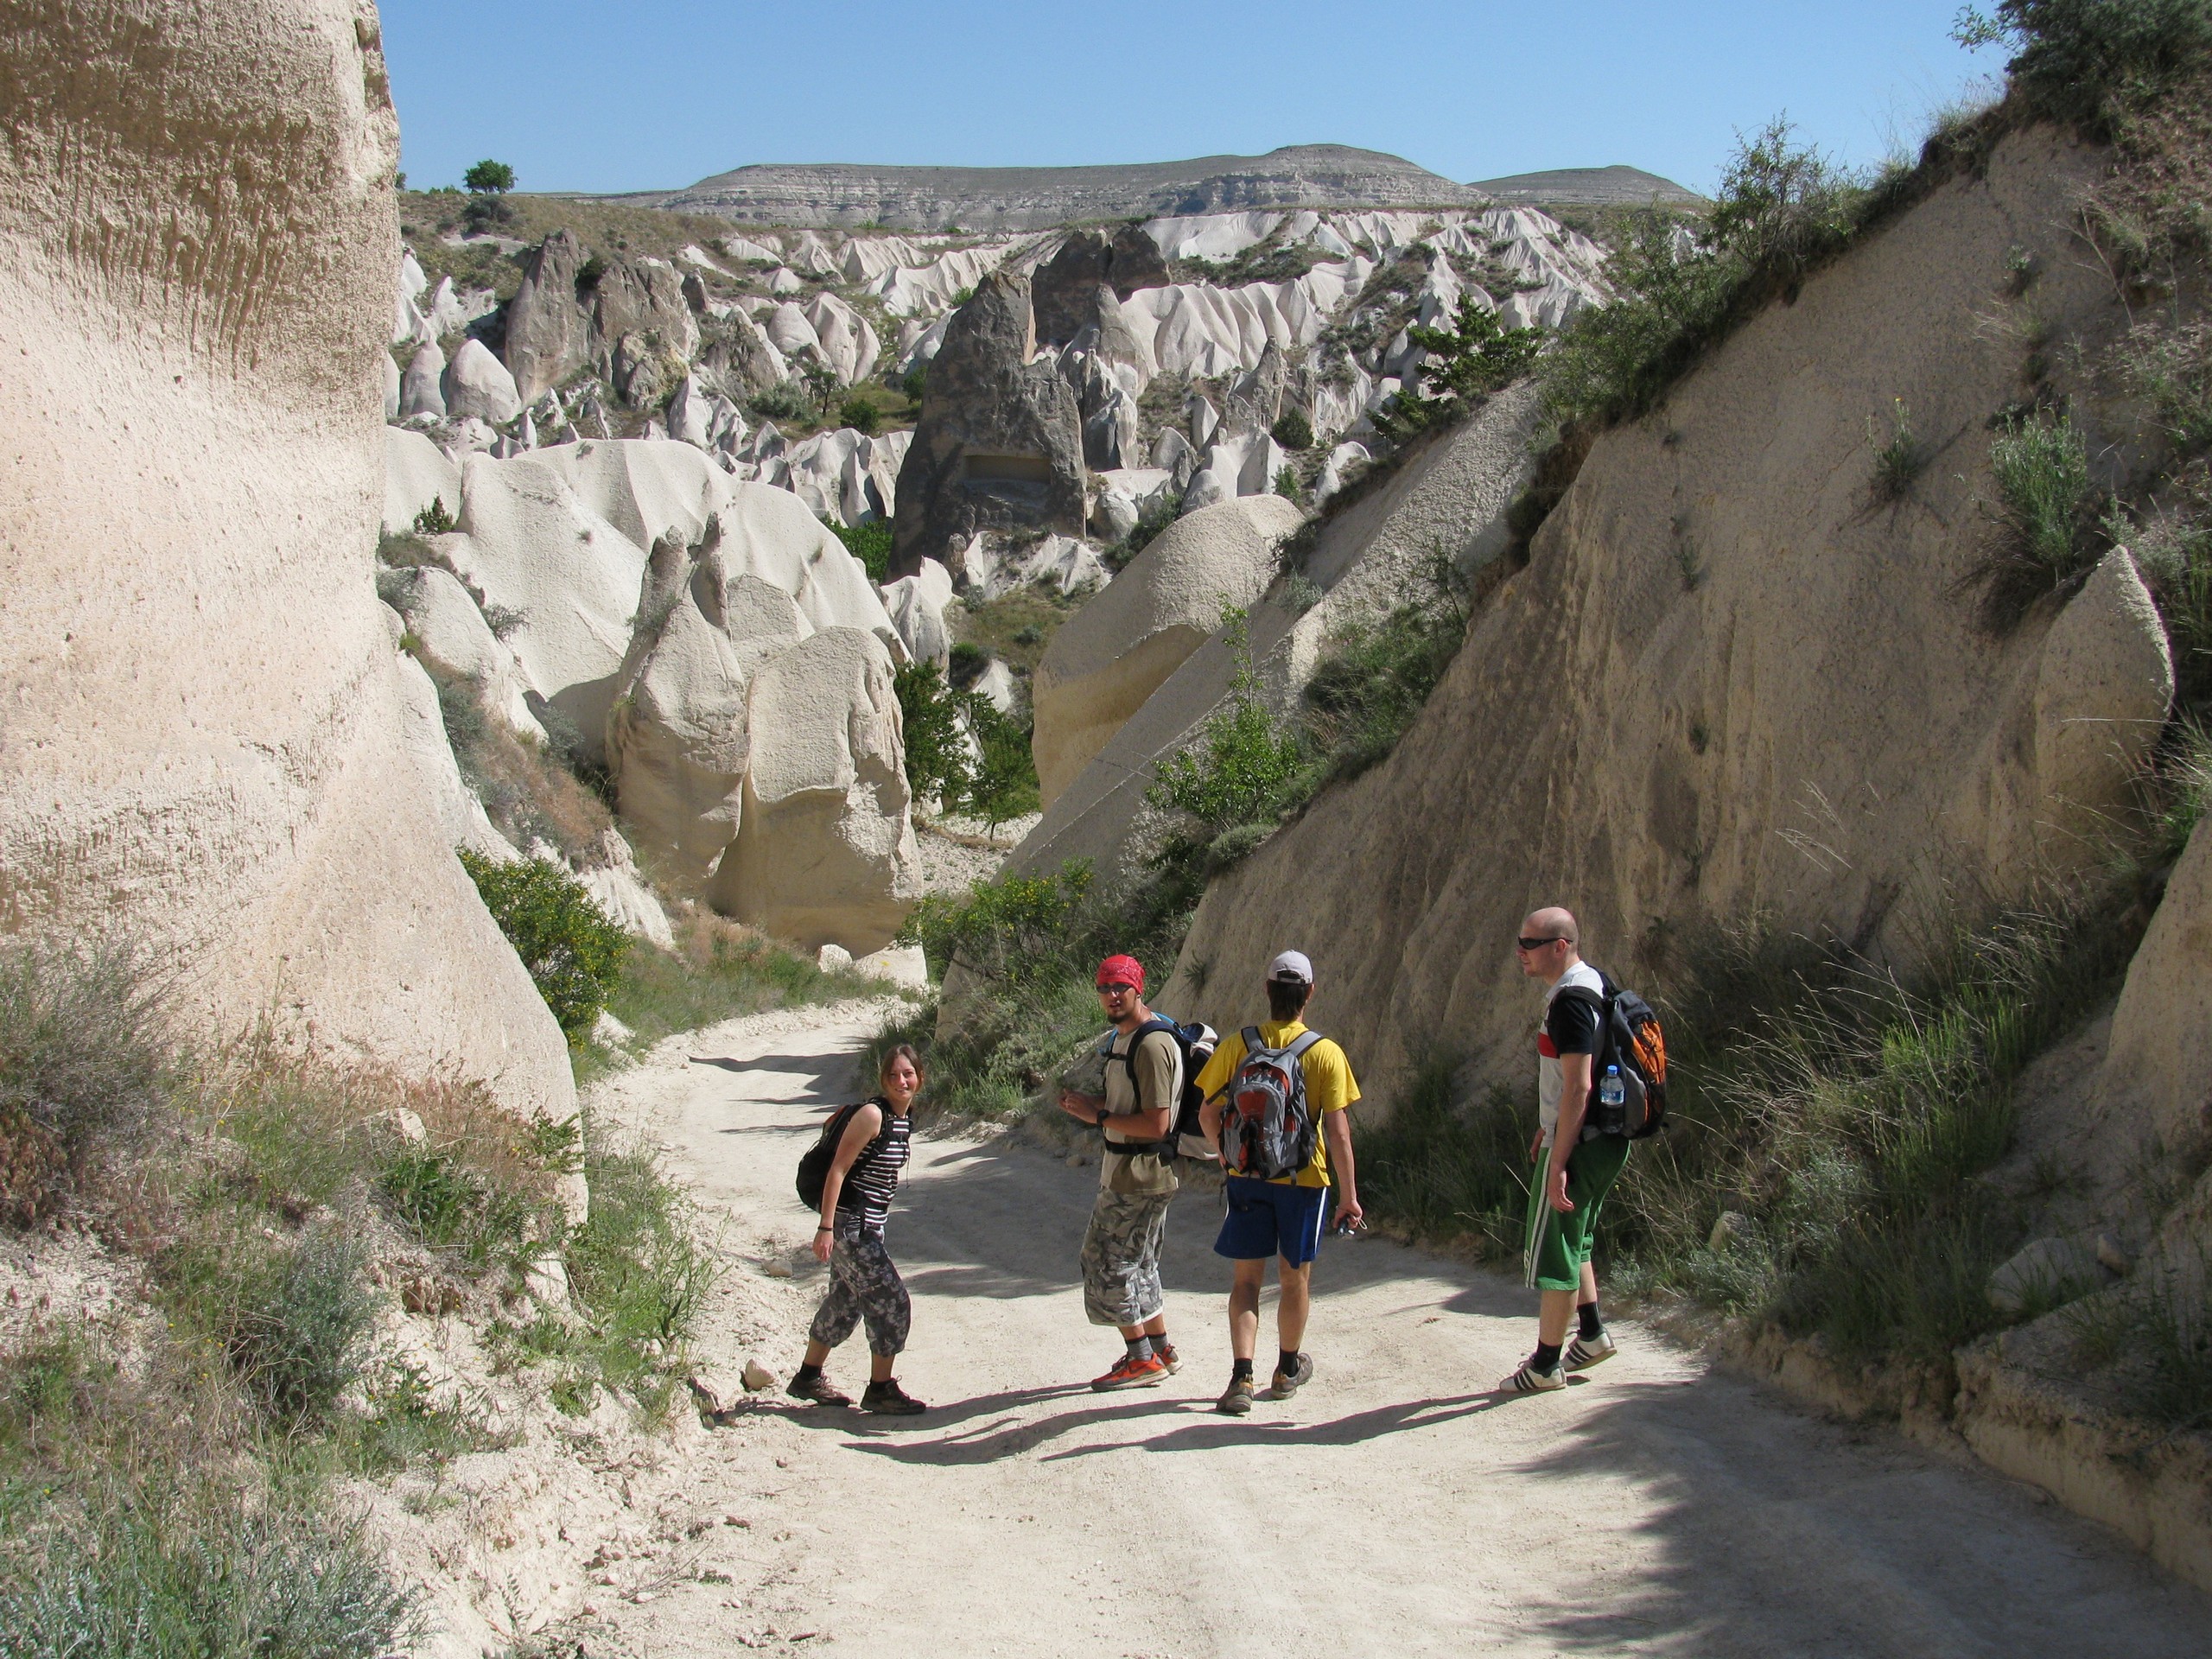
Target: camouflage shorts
(1121,1257)
(864,1284)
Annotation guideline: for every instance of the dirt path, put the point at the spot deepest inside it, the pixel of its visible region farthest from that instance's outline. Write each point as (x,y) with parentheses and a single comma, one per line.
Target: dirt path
(1395,1507)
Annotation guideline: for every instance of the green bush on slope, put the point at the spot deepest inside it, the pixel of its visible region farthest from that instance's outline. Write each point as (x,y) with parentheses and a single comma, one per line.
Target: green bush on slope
(573,953)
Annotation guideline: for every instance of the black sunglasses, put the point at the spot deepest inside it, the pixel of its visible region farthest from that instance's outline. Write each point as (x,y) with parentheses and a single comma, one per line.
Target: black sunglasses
(1536,945)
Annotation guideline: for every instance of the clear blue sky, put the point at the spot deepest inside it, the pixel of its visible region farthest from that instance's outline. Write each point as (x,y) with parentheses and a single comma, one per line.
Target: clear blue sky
(585,95)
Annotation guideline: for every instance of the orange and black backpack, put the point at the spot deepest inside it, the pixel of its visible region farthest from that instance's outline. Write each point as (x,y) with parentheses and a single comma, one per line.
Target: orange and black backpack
(1628,1036)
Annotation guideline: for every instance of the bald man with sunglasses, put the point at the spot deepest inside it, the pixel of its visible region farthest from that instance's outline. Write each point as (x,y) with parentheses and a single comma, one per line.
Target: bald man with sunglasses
(1574,1169)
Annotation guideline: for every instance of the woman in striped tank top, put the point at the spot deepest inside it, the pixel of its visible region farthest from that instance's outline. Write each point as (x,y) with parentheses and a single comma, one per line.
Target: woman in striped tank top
(864,1283)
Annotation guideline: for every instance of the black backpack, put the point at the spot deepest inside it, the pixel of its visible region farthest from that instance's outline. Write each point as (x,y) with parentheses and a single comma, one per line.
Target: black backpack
(813,1163)
(1628,1036)
(1186,1137)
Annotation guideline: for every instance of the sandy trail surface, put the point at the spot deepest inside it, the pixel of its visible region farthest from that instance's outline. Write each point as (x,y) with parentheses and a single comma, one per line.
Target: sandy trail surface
(1395,1506)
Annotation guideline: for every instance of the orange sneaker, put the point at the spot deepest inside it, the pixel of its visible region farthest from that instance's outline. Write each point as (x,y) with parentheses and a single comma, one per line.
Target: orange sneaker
(1130,1374)
(1167,1354)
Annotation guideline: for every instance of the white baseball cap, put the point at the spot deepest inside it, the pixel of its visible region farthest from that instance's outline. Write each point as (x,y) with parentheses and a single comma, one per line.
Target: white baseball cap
(1291,965)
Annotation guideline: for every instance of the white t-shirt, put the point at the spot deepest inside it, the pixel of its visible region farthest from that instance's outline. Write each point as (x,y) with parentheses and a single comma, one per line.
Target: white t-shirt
(1549,1080)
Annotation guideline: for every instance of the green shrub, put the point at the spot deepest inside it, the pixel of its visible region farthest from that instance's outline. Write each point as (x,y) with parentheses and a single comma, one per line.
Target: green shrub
(1142,534)
(1294,430)
(1002,779)
(786,401)
(193,1565)
(1014,930)
(83,1070)
(2172,371)
(996,781)
(870,541)
(639,1275)
(2090,60)
(1374,677)
(967,666)
(719,970)
(1440,1171)
(915,382)
(290,1316)
(1899,456)
(937,759)
(2038,527)
(1781,210)
(489,178)
(1287,487)
(2185,777)
(860,414)
(1846,1112)
(1243,766)
(435,520)
(573,953)
(1467,362)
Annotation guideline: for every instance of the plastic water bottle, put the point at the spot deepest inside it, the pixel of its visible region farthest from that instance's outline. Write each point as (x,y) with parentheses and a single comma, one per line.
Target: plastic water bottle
(1612,1094)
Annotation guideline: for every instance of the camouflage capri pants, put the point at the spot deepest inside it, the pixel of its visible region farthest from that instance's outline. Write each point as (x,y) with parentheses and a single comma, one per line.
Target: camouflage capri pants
(1121,1257)
(864,1284)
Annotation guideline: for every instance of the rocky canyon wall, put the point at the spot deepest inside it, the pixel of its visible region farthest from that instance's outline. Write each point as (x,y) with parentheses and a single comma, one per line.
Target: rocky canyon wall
(1731,682)
(201,739)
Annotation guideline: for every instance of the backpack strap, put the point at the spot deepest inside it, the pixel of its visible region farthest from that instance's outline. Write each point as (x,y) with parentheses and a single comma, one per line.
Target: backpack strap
(1127,1056)
(1165,1149)
(1297,1050)
(1252,1043)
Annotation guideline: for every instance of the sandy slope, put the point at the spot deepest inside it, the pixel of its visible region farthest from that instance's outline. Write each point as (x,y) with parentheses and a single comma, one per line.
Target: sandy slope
(1396,1507)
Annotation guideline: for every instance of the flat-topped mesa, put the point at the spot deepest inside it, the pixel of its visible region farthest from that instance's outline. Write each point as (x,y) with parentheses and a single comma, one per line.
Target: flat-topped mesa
(1601,186)
(1034,198)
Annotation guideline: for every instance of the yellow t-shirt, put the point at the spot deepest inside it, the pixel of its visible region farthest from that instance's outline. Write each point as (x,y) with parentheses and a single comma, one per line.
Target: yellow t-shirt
(1330,1086)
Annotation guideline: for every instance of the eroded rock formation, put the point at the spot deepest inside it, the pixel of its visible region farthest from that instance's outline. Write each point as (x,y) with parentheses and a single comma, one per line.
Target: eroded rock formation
(205,732)
(1729,684)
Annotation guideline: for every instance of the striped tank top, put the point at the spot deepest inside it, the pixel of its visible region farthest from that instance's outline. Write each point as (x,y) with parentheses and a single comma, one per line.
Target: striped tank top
(875,1175)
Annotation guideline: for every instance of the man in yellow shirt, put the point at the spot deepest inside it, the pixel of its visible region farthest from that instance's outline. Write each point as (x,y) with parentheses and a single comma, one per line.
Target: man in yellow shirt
(1283,1216)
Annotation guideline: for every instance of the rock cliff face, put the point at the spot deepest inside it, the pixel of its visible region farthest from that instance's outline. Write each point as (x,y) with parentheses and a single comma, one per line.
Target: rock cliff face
(204,740)
(1685,708)
(1032,198)
(1000,443)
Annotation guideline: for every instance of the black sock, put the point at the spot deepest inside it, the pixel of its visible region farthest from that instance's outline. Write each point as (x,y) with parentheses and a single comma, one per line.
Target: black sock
(1140,1347)
(1240,1371)
(1545,1358)
(1288,1364)
(807,1373)
(1593,1328)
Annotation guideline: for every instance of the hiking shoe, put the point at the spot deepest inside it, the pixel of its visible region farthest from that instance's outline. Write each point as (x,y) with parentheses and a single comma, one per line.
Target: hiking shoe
(1130,1374)
(1236,1400)
(1529,1380)
(1286,1385)
(889,1400)
(816,1391)
(1166,1354)
(1584,1352)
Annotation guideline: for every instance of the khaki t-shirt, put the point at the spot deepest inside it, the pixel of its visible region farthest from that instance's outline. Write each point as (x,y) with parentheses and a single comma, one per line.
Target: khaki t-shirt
(1159,1067)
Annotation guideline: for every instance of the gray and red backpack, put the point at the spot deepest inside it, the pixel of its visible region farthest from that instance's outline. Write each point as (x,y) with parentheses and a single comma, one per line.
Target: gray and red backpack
(1266,1130)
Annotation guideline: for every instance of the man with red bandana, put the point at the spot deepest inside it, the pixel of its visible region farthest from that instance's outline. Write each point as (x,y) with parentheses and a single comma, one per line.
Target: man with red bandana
(1136,1177)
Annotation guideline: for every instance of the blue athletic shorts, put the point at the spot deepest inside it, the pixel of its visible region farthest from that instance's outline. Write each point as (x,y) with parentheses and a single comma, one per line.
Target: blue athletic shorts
(1268,1218)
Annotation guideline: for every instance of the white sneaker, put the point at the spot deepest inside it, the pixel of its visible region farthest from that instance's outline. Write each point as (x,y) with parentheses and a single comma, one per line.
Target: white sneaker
(1584,1352)
(1529,1380)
